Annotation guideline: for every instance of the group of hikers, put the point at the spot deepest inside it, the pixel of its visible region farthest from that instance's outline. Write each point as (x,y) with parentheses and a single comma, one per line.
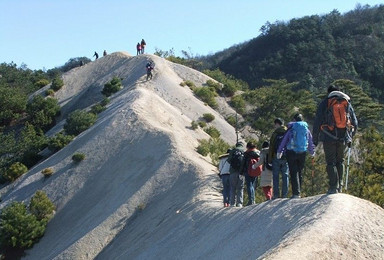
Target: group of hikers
(285,153)
(140,46)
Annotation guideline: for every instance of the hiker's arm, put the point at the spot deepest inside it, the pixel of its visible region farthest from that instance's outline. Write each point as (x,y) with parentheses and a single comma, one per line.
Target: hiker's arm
(284,142)
(311,146)
(271,147)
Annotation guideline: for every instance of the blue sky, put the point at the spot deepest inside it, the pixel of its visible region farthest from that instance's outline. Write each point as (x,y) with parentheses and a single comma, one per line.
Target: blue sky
(47,33)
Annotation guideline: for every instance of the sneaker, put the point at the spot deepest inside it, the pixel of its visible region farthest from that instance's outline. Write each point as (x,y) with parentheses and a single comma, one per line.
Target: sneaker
(232,205)
(239,205)
(332,191)
(295,197)
(226,205)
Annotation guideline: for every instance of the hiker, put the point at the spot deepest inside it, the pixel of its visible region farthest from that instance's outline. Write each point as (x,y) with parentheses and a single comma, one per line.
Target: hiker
(96,55)
(143,43)
(235,159)
(149,67)
(138,48)
(278,165)
(266,174)
(296,142)
(250,153)
(104,53)
(336,133)
(224,175)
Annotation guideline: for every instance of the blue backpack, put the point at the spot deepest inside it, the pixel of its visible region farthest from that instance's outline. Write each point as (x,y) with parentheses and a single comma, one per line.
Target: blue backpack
(299,140)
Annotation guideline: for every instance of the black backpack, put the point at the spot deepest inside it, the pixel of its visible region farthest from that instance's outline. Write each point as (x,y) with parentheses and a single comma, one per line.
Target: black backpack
(237,160)
(279,138)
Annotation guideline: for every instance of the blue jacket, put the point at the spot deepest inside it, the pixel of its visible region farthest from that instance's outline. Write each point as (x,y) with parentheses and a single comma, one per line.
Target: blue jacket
(288,136)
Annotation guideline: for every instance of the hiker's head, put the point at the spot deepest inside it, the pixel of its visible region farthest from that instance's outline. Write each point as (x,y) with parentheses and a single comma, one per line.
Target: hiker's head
(332,88)
(265,144)
(278,122)
(298,117)
(239,145)
(251,145)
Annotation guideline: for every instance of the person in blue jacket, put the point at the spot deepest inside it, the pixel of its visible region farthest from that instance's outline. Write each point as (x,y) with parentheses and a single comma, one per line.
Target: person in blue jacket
(295,144)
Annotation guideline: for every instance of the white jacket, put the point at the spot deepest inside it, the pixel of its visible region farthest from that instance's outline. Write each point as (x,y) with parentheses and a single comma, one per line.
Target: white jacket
(224,165)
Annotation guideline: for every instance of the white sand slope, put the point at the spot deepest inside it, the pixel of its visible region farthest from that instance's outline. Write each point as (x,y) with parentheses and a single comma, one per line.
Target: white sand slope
(143,192)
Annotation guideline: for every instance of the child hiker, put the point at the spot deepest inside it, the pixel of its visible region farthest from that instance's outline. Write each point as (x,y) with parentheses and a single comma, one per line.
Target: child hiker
(266,174)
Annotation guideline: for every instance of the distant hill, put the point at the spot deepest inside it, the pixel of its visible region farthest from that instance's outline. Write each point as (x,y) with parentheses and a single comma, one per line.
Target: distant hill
(313,50)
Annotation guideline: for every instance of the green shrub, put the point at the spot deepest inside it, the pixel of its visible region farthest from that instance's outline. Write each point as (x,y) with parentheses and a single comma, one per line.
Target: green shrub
(42,111)
(79,121)
(47,172)
(97,109)
(41,83)
(208,117)
(231,120)
(203,147)
(112,87)
(217,86)
(15,171)
(207,95)
(183,84)
(59,141)
(41,206)
(13,103)
(202,124)
(78,157)
(194,125)
(57,83)
(190,84)
(50,92)
(18,228)
(105,102)
(238,103)
(213,147)
(212,131)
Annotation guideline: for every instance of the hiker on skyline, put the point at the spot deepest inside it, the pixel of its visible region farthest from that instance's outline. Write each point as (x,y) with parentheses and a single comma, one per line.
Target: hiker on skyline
(96,55)
(142,44)
(250,153)
(278,165)
(149,67)
(138,48)
(224,175)
(235,159)
(296,142)
(336,133)
(104,53)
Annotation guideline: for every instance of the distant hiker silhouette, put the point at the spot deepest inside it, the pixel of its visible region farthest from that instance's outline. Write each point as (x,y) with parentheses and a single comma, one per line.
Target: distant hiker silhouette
(138,48)
(105,53)
(150,66)
(96,55)
(143,43)
(335,125)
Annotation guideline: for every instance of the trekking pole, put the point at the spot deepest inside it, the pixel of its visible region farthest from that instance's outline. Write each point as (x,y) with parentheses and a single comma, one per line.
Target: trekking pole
(346,175)
(313,174)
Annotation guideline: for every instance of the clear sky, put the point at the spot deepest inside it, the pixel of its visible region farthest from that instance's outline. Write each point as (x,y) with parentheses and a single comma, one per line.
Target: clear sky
(47,33)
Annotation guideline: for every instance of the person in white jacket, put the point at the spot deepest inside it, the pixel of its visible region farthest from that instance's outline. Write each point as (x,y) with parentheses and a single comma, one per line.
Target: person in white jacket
(266,176)
(224,175)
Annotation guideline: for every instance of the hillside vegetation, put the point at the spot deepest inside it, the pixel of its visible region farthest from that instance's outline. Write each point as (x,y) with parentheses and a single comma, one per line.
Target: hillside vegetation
(314,51)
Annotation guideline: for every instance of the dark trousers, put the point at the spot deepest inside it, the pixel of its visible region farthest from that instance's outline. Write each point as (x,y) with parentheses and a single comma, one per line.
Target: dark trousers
(296,162)
(334,156)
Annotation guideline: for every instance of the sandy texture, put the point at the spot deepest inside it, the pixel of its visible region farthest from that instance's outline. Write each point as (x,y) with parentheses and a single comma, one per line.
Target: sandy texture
(143,192)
